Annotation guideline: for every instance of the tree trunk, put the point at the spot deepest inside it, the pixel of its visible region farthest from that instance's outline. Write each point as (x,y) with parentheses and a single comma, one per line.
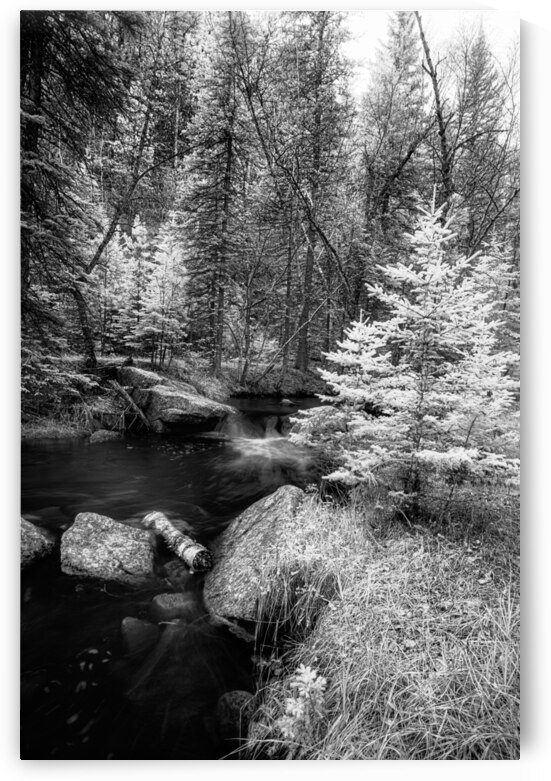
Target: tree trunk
(32,65)
(446,154)
(288,291)
(222,257)
(130,401)
(302,359)
(86,328)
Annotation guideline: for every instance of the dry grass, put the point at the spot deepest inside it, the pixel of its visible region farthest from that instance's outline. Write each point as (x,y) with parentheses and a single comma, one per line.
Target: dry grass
(48,428)
(417,636)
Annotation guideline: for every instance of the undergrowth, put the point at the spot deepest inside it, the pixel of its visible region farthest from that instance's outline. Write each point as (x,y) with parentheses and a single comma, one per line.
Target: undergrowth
(414,634)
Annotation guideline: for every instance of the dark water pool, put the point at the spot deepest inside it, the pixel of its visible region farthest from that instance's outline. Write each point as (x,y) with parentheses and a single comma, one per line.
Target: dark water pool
(81,697)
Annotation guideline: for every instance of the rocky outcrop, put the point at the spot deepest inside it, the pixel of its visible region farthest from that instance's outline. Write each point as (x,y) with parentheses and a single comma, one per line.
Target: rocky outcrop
(169,403)
(98,547)
(35,543)
(246,555)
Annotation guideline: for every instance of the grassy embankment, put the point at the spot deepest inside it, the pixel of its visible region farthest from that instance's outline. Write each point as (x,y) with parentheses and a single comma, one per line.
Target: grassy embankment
(416,634)
(91,403)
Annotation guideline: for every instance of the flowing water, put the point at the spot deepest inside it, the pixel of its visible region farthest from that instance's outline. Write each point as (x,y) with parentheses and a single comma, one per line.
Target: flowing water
(81,697)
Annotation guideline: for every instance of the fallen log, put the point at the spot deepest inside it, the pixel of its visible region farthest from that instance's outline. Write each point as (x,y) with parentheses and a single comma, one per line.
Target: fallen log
(193,554)
(130,401)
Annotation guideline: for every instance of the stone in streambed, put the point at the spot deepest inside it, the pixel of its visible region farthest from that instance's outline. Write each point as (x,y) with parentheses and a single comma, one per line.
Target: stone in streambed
(246,555)
(35,543)
(96,546)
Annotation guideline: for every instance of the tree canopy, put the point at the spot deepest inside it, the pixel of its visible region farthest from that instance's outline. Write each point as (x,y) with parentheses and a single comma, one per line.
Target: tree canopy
(208,183)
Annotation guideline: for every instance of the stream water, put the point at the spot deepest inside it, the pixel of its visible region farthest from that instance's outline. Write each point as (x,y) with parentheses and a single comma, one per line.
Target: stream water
(81,697)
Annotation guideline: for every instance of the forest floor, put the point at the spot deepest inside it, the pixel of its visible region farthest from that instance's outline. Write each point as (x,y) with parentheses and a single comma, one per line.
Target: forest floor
(401,643)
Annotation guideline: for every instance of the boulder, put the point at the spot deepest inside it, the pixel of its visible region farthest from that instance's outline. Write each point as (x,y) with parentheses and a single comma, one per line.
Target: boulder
(139,378)
(168,406)
(35,543)
(96,546)
(246,554)
(103,435)
(167,403)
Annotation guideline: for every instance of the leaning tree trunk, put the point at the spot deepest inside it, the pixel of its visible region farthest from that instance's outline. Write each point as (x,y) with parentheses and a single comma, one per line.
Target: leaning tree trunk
(86,328)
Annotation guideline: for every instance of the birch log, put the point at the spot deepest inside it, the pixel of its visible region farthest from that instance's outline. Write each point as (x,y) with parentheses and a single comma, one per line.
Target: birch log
(194,555)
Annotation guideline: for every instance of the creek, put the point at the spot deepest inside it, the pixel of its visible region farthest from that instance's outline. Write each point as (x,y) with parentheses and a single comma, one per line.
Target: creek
(81,697)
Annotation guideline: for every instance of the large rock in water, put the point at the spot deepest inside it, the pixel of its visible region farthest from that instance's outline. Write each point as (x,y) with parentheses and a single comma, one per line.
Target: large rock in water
(95,546)
(246,555)
(35,543)
(167,403)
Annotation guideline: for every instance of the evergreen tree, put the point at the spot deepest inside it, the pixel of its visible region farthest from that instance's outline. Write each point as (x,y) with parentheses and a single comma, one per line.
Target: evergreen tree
(71,80)
(395,126)
(422,393)
(485,141)
(395,167)
(213,185)
(315,94)
(163,314)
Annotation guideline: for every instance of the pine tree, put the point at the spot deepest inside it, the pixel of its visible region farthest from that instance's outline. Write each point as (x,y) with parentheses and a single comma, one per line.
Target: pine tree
(161,327)
(71,80)
(395,125)
(213,183)
(421,395)
(485,143)
(319,115)
(394,166)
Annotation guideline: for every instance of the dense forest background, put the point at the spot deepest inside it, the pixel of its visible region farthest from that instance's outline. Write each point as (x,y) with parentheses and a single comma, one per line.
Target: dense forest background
(207,185)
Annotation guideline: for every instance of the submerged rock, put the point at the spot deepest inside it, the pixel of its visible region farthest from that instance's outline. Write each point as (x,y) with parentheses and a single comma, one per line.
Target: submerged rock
(103,435)
(96,546)
(233,714)
(246,553)
(167,607)
(138,637)
(35,543)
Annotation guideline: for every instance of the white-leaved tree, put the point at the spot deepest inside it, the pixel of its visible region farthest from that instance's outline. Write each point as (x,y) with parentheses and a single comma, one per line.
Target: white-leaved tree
(421,397)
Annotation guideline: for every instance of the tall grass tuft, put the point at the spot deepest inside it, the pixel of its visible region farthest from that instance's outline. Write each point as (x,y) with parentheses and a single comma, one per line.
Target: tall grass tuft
(414,635)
